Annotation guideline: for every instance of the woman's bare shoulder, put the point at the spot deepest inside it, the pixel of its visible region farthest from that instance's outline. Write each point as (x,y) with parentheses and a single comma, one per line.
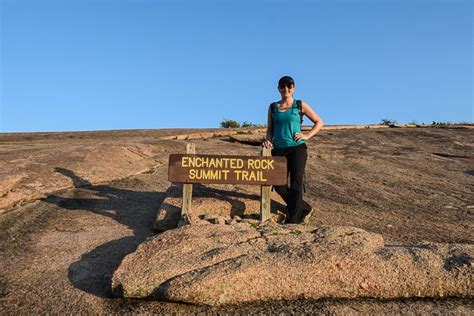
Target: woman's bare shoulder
(305,106)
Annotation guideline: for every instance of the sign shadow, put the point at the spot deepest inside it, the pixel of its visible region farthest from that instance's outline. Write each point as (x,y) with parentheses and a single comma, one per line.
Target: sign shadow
(136,210)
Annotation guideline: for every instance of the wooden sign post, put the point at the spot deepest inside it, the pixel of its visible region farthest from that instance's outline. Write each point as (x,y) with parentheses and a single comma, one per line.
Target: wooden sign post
(188,187)
(266,190)
(262,170)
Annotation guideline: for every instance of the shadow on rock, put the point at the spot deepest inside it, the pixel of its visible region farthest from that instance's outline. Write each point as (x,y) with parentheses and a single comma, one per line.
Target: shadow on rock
(457,260)
(93,272)
(224,203)
(232,197)
(469,172)
(77,181)
(134,209)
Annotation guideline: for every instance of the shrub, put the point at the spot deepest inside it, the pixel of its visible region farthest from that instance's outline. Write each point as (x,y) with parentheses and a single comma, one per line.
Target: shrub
(388,122)
(229,124)
(250,124)
(440,124)
(465,123)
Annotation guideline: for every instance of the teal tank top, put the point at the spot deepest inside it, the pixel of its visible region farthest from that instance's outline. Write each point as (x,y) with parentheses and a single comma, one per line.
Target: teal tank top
(285,125)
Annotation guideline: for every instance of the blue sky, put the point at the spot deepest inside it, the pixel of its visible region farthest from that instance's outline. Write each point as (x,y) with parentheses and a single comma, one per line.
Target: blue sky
(94,65)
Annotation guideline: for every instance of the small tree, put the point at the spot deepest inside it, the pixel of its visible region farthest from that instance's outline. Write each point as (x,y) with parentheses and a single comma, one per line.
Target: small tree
(229,124)
(388,122)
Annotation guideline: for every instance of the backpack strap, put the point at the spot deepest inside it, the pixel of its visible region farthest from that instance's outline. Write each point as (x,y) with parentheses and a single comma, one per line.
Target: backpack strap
(273,107)
(299,105)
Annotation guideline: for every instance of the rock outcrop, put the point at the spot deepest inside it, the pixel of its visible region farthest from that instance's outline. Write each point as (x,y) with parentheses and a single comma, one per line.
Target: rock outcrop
(254,139)
(230,264)
(219,133)
(60,166)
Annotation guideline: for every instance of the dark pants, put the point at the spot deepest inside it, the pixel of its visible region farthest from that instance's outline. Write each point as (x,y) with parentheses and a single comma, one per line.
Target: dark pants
(293,194)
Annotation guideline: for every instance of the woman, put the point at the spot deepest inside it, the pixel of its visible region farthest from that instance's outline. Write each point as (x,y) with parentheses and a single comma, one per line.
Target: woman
(285,137)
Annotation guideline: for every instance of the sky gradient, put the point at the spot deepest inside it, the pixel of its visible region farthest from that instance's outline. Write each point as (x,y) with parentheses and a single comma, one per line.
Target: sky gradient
(98,65)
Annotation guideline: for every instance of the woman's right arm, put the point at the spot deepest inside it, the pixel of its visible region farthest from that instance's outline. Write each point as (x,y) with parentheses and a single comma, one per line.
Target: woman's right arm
(269,136)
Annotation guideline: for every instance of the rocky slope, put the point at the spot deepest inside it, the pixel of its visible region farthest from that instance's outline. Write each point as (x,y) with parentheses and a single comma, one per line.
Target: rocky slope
(59,252)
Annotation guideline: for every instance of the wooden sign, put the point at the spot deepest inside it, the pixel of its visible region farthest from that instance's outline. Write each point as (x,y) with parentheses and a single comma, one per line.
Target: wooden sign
(224,169)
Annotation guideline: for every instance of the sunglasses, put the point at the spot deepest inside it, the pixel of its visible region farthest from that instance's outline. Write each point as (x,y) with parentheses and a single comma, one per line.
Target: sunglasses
(289,86)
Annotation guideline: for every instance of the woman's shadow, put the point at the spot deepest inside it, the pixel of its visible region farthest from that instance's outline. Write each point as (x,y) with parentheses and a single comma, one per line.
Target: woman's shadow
(136,210)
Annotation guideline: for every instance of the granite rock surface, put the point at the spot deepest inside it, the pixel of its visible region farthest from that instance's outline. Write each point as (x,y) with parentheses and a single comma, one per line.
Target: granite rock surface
(230,264)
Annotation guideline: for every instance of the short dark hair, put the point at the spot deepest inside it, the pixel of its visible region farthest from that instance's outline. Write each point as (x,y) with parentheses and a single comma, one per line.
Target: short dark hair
(286,81)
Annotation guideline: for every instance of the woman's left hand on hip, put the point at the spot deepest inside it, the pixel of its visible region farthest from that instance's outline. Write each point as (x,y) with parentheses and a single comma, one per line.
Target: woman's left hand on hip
(299,136)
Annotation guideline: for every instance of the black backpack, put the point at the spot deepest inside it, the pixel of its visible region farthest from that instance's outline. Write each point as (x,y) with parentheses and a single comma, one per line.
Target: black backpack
(274,107)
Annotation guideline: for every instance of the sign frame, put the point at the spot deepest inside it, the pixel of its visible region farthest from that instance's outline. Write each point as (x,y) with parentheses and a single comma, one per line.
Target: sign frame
(227,169)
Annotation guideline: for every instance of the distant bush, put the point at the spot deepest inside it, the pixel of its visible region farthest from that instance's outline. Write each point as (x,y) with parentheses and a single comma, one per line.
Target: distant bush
(447,124)
(412,122)
(465,123)
(440,124)
(388,122)
(229,124)
(250,124)
(234,124)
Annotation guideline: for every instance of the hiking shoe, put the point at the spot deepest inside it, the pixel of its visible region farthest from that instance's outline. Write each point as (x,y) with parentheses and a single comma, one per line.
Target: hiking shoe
(307,216)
